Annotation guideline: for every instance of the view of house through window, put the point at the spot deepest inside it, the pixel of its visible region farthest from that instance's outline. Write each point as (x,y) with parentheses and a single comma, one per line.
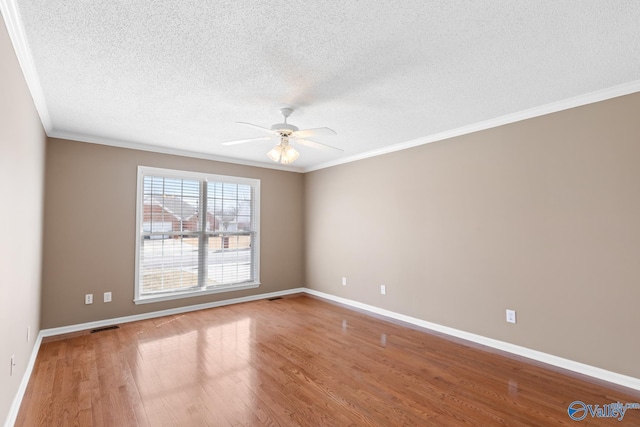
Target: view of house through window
(197,233)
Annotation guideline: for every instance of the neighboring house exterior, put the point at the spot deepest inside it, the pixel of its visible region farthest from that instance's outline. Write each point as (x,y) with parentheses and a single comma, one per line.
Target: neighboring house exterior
(173,214)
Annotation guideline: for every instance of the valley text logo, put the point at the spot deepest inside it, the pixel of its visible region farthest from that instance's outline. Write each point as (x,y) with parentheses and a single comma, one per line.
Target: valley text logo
(579,410)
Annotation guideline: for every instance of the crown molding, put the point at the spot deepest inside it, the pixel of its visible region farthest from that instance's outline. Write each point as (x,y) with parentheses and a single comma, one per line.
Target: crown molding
(554,107)
(72,136)
(13,21)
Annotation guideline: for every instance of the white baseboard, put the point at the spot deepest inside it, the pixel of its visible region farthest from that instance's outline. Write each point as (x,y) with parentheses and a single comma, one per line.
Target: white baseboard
(17,400)
(592,371)
(581,368)
(170,312)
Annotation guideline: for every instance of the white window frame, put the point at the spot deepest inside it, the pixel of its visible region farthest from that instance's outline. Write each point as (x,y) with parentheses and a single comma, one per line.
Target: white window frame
(144,171)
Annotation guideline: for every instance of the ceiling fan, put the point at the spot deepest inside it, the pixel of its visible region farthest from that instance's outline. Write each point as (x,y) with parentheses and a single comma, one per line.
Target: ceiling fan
(286,134)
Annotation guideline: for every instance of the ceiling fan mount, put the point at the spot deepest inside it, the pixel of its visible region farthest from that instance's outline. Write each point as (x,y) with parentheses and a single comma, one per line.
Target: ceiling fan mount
(286,133)
(285,128)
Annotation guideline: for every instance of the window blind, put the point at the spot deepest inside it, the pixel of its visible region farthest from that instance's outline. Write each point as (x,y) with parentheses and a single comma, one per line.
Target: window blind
(197,233)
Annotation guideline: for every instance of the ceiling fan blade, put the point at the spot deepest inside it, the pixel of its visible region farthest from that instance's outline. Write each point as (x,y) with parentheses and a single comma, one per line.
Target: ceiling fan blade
(244,141)
(318,145)
(306,133)
(258,127)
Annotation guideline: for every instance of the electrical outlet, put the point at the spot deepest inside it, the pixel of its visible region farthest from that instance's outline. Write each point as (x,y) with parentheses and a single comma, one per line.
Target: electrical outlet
(511,316)
(107,297)
(344,281)
(88,299)
(383,289)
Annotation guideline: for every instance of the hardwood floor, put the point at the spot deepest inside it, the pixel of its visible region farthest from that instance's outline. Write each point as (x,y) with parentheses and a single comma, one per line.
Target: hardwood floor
(296,361)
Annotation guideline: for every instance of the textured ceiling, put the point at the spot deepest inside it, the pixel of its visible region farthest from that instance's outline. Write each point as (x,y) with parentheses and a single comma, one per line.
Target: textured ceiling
(177,75)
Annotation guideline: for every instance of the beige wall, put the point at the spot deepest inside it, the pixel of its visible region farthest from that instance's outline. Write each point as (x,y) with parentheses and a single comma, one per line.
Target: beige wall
(89,232)
(22,145)
(540,216)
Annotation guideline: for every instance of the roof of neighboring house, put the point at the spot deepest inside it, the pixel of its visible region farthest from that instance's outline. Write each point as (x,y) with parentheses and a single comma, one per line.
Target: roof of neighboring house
(176,206)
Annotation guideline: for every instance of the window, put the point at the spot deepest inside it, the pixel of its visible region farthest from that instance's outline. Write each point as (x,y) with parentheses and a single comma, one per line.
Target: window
(196,234)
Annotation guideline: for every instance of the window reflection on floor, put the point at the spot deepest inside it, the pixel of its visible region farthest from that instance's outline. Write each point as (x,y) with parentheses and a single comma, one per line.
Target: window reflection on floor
(184,369)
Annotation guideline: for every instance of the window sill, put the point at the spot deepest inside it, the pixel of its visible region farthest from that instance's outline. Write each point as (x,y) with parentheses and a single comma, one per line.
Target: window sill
(181,295)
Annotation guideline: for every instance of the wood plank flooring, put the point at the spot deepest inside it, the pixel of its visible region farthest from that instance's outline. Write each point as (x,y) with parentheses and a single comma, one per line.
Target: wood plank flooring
(296,361)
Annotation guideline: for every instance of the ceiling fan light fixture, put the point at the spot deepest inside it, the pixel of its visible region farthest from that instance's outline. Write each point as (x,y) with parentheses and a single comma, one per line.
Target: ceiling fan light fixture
(284,154)
(275,153)
(289,154)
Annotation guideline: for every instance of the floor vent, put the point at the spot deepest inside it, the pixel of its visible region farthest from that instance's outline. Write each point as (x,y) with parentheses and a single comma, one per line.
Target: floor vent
(273,299)
(106,328)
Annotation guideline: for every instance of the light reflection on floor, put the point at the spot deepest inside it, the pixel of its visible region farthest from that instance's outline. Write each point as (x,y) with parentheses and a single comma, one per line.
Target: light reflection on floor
(187,369)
